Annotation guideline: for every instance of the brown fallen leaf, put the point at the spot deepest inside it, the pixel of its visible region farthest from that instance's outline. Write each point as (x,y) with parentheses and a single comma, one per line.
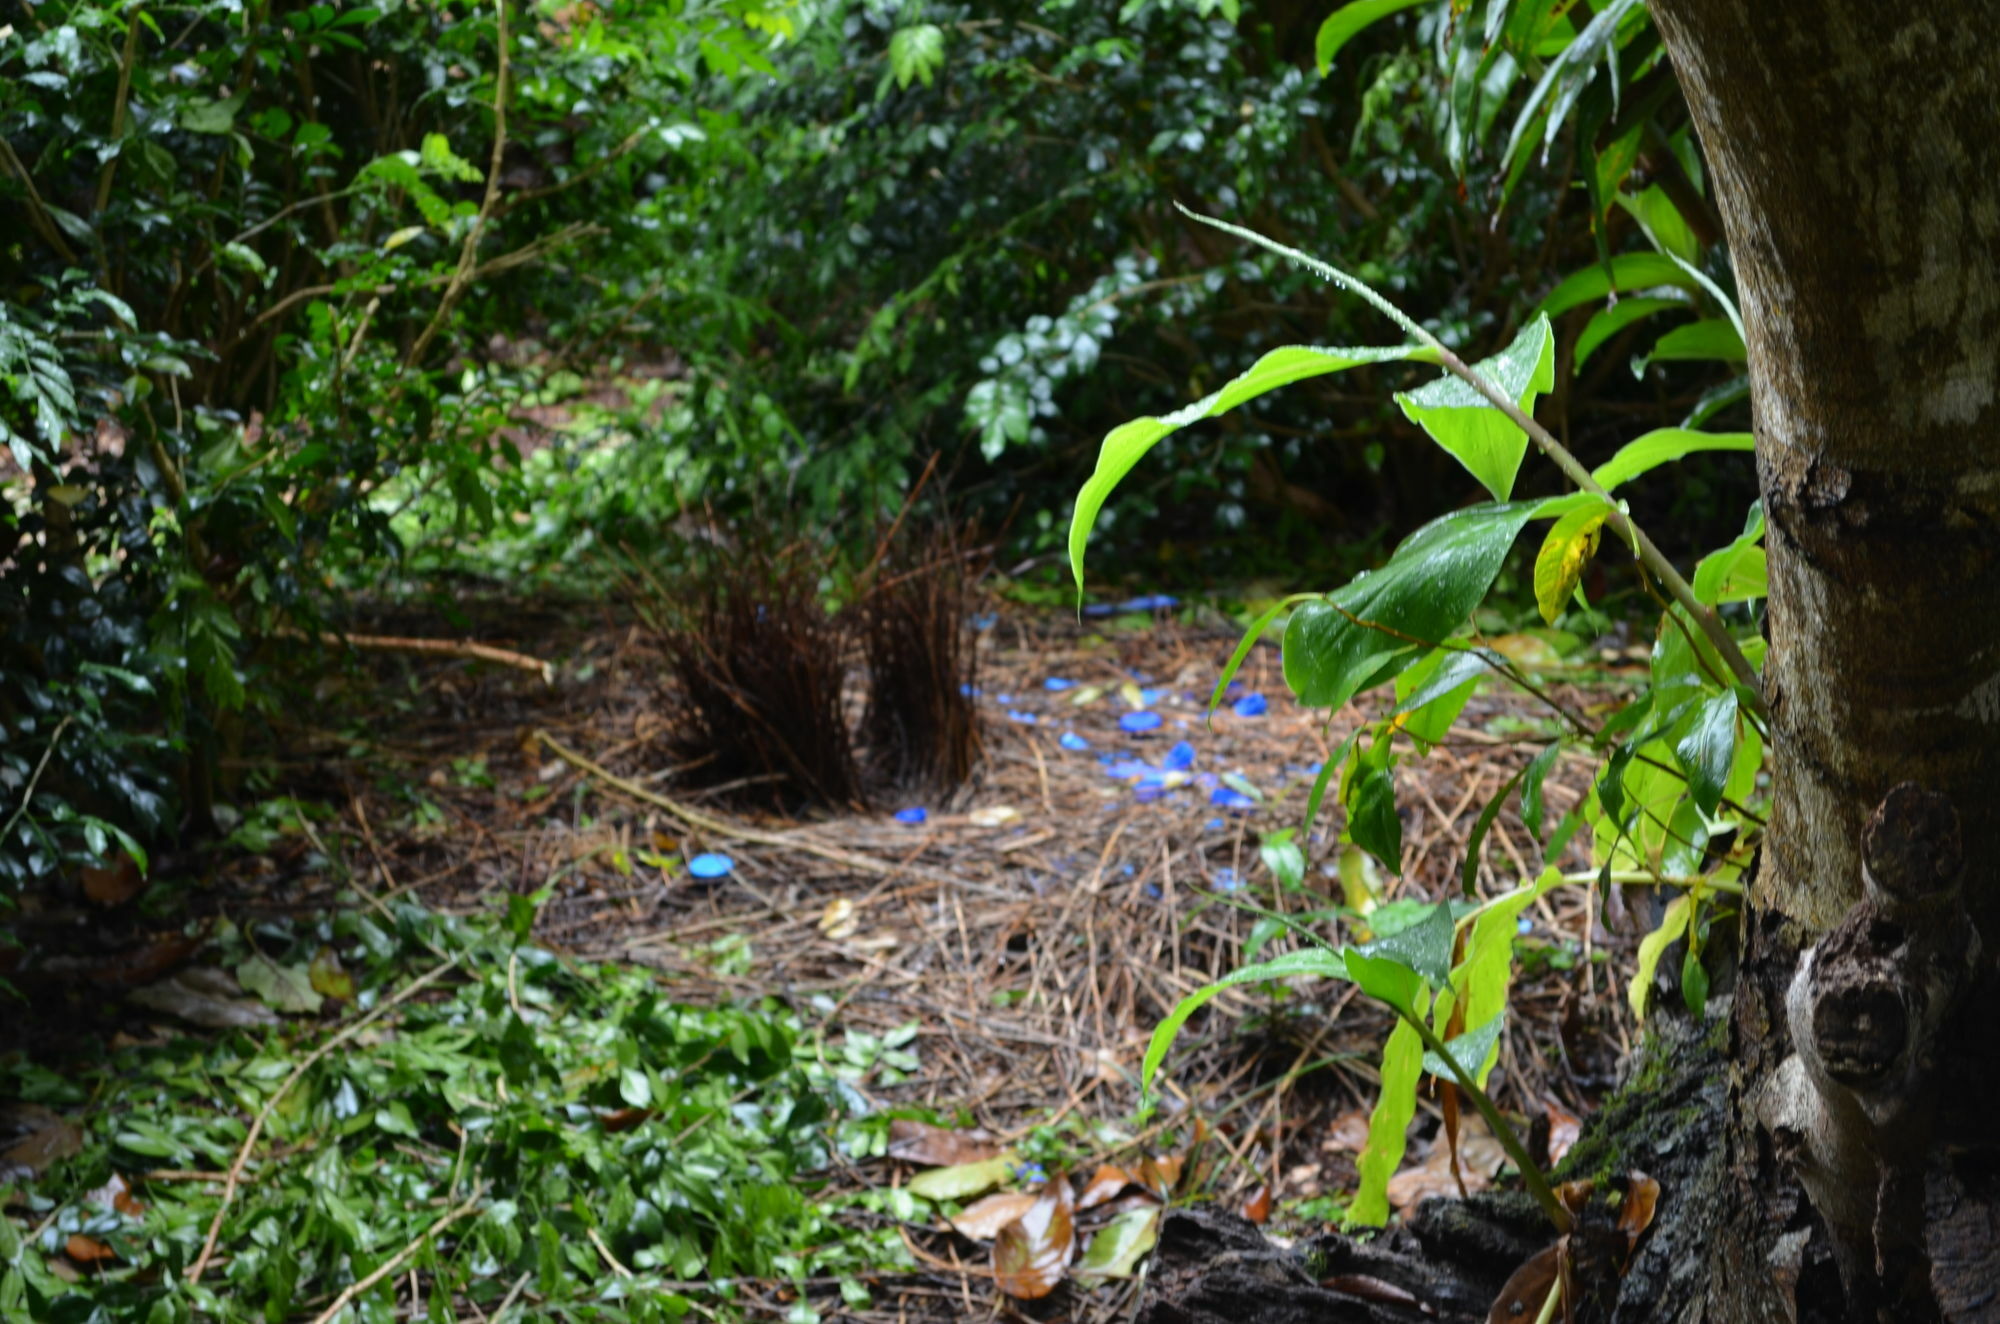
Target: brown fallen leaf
(43,1138)
(1480,1156)
(1161,1175)
(625,1119)
(87,1250)
(114,884)
(1527,1289)
(1032,1253)
(1564,1131)
(938,1146)
(1373,1289)
(983,1219)
(115,1195)
(205,996)
(1349,1132)
(1635,1215)
(1257,1205)
(1105,1184)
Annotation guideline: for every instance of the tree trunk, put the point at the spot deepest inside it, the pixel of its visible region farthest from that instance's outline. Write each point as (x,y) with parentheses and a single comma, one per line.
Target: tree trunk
(1855,155)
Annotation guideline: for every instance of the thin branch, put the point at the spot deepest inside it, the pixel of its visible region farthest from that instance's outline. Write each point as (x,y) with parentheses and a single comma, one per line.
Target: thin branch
(455,648)
(118,105)
(200,1265)
(39,214)
(395,1261)
(35,780)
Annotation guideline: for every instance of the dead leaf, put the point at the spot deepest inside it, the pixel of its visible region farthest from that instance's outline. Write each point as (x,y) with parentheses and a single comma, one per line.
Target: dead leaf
(1031,1254)
(1635,1215)
(1564,1130)
(115,1195)
(625,1119)
(920,1142)
(285,988)
(837,920)
(204,996)
(993,815)
(1257,1206)
(1349,1132)
(1480,1156)
(1161,1175)
(1104,1185)
(983,1219)
(962,1181)
(1118,1246)
(1369,1288)
(44,1138)
(1527,1288)
(115,884)
(329,977)
(87,1250)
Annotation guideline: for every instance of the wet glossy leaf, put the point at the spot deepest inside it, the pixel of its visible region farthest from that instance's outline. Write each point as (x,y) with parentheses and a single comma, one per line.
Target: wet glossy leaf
(87,1250)
(1342,24)
(1372,822)
(1488,443)
(1527,1289)
(1662,446)
(1161,1174)
(1469,1050)
(1708,750)
(1424,947)
(1118,1246)
(1635,1215)
(1257,1205)
(961,1181)
(284,988)
(1309,961)
(1559,566)
(1104,1186)
(1388,1126)
(1032,1254)
(920,1142)
(1672,925)
(328,977)
(983,1219)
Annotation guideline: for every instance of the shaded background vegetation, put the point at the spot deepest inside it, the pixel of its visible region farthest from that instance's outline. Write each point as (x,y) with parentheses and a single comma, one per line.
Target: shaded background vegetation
(289,312)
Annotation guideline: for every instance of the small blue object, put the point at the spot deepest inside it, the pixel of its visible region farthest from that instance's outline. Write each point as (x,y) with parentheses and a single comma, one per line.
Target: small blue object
(1073,742)
(1228,797)
(1139,722)
(1147,698)
(1058,683)
(1028,1172)
(1126,769)
(1027,719)
(914,814)
(1152,890)
(1145,795)
(1212,825)
(1150,602)
(1180,758)
(1003,699)
(1524,926)
(970,691)
(1227,881)
(710,866)
(1251,705)
(985,620)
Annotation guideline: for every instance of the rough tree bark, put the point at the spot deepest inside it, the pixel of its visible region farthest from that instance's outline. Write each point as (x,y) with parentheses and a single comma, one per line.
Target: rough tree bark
(1855,154)
(1847,1167)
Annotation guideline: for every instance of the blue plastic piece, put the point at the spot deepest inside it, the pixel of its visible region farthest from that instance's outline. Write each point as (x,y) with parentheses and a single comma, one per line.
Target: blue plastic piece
(1058,683)
(914,814)
(1251,705)
(1070,740)
(1026,719)
(1228,797)
(1138,723)
(1226,880)
(710,865)
(1180,758)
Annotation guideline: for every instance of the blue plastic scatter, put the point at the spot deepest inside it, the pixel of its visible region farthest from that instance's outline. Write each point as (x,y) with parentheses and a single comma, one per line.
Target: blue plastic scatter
(1212,825)
(970,691)
(1027,719)
(1226,880)
(1235,688)
(1073,742)
(1152,891)
(1147,698)
(1126,769)
(710,865)
(985,620)
(1251,705)
(1180,758)
(1150,602)
(914,814)
(1058,683)
(1228,797)
(1145,794)
(1003,699)
(1312,769)
(1139,722)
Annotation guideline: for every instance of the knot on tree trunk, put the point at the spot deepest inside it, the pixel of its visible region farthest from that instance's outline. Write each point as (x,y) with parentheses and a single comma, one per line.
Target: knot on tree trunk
(1852,1108)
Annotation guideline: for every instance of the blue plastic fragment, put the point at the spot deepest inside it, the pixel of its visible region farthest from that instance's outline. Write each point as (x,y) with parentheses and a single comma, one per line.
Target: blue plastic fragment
(1058,683)
(1016,715)
(1228,797)
(1226,880)
(1180,758)
(1070,740)
(970,691)
(1139,722)
(1524,926)
(1150,602)
(1251,705)
(914,814)
(1152,891)
(710,865)
(985,620)
(1212,825)
(1146,794)
(1126,769)
(1147,698)
(1003,699)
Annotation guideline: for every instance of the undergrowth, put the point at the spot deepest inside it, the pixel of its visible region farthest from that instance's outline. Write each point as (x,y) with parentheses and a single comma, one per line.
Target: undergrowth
(526,1137)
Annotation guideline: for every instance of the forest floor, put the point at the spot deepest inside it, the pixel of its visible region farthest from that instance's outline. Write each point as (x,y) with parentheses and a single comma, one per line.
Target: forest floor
(1001,964)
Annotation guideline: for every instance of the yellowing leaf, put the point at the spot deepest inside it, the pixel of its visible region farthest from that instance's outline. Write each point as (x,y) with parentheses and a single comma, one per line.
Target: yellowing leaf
(1672,925)
(1388,1126)
(1118,1246)
(984,1219)
(401,237)
(961,1181)
(1565,552)
(1031,1254)
(837,920)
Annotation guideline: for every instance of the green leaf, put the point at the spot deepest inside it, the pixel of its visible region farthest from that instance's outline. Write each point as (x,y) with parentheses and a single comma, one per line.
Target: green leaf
(1469,881)
(1281,855)
(286,988)
(1245,644)
(1567,549)
(1531,788)
(1341,26)
(1119,1245)
(1608,322)
(916,52)
(1470,1050)
(1423,595)
(1447,669)
(1708,750)
(1627,271)
(1661,446)
(1309,961)
(1488,443)
(1325,778)
(1423,947)
(1485,974)
(1735,573)
(210,116)
(1125,444)
(1663,222)
(1371,818)
(1713,339)
(1694,982)
(1672,925)
(961,1181)
(1388,1126)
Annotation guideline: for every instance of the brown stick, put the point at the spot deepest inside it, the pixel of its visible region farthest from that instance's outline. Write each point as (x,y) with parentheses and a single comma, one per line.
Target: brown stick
(200,1266)
(466,648)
